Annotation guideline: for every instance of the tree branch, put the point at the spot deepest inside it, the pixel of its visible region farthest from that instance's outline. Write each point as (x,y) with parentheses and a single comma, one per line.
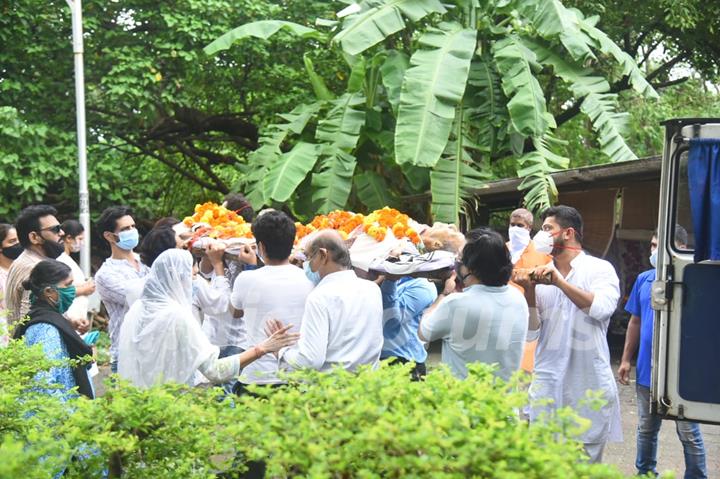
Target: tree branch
(677,81)
(667,66)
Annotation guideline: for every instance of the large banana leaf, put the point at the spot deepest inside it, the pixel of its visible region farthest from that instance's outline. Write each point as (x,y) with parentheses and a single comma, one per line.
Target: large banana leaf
(340,130)
(262,29)
(606,45)
(487,113)
(536,168)
(342,124)
(609,124)
(393,72)
(580,80)
(433,86)
(372,190)
(528,112)
(552,20)
(289,170)
(260,160)
(379,18)
(333,182)
(453,178)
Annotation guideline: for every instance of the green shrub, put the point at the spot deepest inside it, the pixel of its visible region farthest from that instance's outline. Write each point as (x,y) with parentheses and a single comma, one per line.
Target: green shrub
(340,425)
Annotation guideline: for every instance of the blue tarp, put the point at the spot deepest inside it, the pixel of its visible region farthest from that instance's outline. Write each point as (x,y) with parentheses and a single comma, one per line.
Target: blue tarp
(704,186)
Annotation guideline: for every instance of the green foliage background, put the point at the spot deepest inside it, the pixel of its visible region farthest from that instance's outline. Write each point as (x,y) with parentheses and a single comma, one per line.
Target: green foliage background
(373,424)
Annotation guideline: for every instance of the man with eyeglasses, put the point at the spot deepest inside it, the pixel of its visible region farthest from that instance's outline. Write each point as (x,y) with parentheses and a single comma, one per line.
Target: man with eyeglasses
(39,233)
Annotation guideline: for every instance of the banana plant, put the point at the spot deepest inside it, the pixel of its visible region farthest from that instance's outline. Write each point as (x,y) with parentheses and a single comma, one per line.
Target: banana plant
(437,93)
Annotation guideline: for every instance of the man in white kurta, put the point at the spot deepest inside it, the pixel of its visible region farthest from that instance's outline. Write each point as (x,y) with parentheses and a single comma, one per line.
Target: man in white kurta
(342,323)
(575,297)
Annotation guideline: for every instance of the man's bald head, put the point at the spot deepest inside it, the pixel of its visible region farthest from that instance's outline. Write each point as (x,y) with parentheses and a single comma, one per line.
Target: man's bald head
(522,217)
(333,243)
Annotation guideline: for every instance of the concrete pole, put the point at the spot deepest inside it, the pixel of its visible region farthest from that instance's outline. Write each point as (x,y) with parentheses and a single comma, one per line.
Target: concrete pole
(77,32)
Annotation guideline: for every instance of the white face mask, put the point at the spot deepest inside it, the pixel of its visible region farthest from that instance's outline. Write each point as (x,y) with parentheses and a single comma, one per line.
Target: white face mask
(77,246)
(519,239)
(543,242)
(653,258)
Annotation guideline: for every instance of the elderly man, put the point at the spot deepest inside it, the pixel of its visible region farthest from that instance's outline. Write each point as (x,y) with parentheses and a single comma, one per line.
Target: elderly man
(39,232)
(342,322)
(575,296)
(524,256)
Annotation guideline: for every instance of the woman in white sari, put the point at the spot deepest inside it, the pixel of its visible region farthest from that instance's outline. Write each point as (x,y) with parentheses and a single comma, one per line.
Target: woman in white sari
(161,341)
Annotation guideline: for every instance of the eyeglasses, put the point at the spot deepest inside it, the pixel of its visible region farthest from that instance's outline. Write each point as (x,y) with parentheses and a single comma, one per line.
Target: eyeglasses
(54,229)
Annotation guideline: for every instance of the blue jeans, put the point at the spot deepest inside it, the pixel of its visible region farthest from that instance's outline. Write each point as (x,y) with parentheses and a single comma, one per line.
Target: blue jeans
(647,435)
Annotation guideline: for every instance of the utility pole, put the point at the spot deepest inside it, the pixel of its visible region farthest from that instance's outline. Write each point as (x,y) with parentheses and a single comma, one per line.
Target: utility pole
(77,33)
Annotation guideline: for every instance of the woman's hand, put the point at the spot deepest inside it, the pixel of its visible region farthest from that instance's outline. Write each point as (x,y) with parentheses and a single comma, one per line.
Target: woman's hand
(280,337)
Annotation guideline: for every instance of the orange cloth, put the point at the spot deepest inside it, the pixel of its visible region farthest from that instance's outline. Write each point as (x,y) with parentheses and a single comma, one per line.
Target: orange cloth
(529,259)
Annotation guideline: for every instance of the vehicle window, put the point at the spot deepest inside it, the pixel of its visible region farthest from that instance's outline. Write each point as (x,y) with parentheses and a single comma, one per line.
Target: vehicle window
(683,217)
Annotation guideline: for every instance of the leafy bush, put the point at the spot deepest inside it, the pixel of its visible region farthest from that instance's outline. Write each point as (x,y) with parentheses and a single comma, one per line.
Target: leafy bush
(372,424)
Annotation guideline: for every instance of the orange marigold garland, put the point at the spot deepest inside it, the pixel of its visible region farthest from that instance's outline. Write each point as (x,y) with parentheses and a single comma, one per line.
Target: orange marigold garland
(223,223)
(377,223)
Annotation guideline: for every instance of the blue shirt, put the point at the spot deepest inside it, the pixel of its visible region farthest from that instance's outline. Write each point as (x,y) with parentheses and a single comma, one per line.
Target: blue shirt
(640,305)
(404,302)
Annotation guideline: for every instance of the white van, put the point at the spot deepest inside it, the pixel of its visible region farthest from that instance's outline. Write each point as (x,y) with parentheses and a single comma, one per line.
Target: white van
(686,296)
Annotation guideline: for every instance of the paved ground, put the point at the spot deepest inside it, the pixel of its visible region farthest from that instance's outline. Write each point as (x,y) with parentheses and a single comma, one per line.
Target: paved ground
(670,454)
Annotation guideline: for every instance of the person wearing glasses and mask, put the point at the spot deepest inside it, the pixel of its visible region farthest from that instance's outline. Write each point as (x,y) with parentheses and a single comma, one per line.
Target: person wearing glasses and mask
(73,241)
(117,227)
(52,292)
(39,233)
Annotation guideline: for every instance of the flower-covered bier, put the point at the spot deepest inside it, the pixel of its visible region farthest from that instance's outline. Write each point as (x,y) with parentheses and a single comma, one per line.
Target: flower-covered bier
(220,222)
(377,223)
(344,222)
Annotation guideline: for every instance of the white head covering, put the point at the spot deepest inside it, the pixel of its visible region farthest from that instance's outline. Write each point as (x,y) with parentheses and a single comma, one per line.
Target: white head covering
(160,340)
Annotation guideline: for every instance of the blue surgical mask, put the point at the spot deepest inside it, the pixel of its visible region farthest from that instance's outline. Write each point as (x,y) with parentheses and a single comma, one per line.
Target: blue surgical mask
(653,259)
(313,276)
(128,240)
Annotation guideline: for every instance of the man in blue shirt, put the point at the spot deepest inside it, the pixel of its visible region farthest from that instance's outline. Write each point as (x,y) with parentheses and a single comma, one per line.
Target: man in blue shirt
(404,302)
(640,329)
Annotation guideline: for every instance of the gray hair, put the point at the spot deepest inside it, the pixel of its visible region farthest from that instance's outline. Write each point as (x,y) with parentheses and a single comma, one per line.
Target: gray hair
(335,246)
(523,214)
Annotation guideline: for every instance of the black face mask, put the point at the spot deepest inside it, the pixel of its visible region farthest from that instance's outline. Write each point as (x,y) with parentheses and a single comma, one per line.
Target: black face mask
(12,252)
(52,249)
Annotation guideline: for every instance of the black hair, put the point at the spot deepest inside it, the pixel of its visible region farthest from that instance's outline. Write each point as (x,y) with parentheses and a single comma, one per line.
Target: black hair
(276,231)
(335,246)
(108,218)
(47,272)
(72,228)
(166,221)
(681,235)
(566,217)
(487,257)
(29,220)
(239,204)
(4,230)
(157,241)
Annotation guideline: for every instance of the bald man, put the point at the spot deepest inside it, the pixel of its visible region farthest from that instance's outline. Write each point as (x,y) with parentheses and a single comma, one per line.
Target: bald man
(343,320)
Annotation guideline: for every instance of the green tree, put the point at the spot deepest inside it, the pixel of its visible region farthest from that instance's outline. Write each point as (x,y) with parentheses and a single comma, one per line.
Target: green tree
(167,125)
(438,92)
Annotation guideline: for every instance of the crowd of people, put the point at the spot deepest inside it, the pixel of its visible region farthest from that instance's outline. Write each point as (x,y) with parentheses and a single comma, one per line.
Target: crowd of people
(535,303)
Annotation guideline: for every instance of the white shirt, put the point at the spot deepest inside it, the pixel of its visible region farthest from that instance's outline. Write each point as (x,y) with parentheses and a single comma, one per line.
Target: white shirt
(79,307)
(485,324)
(342,325)
(572,354)
(270,292)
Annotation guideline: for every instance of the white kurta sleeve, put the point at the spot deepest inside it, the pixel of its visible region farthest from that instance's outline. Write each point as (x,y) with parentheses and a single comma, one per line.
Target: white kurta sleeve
(213,298)
(311,350)
(605,284)
(221,370)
